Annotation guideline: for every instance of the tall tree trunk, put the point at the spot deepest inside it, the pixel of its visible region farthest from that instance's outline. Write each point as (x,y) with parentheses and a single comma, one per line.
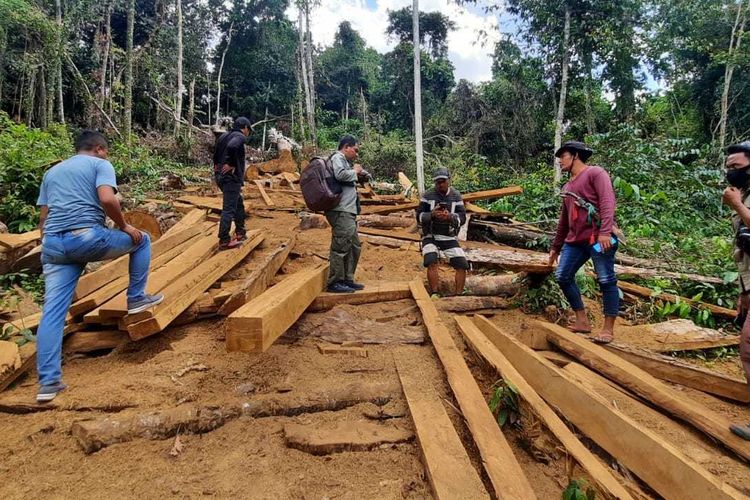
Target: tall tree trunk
(590,121)
(364,112)
(418,97)
(30,100)
(191,109)
(49,92)
(303,69)
(128,125)
(310,75)
(59,78)
(178,98)
(42,98)
(734,45)
(221,68)
(563,92)
(105,55)
(208,99)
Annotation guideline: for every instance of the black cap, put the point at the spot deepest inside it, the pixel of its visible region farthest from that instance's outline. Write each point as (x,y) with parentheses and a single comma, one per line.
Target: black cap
(241,123)
(441,173)
(584,152)
(742,147)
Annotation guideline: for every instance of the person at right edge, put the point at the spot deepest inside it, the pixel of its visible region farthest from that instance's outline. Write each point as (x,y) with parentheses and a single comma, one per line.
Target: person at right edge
(585,231)
(229,172)
(345,244)
(737,197)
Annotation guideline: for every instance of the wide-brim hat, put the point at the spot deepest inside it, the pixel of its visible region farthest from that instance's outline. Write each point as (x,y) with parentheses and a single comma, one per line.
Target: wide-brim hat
(584,152)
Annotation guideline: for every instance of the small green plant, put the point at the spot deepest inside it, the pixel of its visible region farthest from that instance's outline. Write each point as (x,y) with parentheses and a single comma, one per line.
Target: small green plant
(20,336)
(578,489)
(545,294)
(504,403)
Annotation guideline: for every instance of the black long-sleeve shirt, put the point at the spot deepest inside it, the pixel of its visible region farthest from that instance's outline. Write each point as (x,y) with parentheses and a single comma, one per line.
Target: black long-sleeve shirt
(230,150)
(431,199)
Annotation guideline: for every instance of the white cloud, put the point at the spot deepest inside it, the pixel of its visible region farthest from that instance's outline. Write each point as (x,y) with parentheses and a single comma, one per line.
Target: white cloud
(471,58)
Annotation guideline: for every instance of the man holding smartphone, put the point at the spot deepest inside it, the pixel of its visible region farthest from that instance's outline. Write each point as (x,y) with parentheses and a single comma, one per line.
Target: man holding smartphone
(585,231)
(440,215)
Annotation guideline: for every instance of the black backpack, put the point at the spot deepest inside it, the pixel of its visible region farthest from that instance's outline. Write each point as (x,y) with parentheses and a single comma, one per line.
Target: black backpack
(321,190)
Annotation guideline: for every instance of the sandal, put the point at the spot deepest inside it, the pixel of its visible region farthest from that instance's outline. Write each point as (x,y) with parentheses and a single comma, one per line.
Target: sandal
(581,332)
(603,339)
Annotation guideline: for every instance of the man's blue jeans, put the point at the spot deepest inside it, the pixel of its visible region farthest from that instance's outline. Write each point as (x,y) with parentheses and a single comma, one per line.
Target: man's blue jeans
(572,257)
(64,256)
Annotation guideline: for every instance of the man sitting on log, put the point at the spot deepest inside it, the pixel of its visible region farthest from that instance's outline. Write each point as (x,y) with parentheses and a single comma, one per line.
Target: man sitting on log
(75,196)
(737,197)
(440,214)
(229,172)
(345,244)
(585,231)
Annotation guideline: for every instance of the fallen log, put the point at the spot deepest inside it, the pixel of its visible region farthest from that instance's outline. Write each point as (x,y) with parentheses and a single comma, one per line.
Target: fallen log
(498,285)
(145,222)
(325,439)
(256,325)
(506,475)
(469,303)
(642,291)
(672,370)
(258,280)
(385,221)
(657,462)
(601,476)
(646,386)
(448,466)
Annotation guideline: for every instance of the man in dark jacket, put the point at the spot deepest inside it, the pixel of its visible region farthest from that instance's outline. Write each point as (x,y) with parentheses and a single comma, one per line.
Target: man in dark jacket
(440,214)
(229,171)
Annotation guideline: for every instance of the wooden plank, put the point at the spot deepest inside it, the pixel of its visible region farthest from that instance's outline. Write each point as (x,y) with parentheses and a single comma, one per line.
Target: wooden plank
(375,291)
(468,197)
(600,474)
(263,193)
(94,341)
(210,202)
(260,279)
(11,241)
(672,370)
(448,466)
(185,290)
(646,386)
(105,293)
(256,325)
(119,267)
(180,264)
(657,462)
(642,291)
(191,218)
(476,209)
(504,471)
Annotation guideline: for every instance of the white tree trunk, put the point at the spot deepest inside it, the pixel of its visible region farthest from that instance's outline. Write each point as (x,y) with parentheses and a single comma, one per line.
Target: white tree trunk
(191,109)
(60,48)
(105,55)
(218,79)
(178,97)
(418,97)
(563,92)
(128,126)
(734,44)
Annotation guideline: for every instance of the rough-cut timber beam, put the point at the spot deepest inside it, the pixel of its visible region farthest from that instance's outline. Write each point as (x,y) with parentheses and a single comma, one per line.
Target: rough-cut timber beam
(659,463)
(448,466)
(375,291)
(601,476)
(468,197)
(643,384)
(506,475)
(256,325)
(672,370)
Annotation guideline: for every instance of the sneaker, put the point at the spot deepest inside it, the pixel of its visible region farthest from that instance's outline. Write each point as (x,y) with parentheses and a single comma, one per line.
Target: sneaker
(231,244)
(147,302)
(742,431)
(48,392)
(352,284)
(339,287)
(240,237)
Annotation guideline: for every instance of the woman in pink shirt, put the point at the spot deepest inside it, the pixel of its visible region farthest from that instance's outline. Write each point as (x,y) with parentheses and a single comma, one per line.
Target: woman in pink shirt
(584,232)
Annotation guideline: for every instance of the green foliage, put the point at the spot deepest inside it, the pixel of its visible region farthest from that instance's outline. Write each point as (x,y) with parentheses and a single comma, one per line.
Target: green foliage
(504,403)
(31,283)
(544,294)
(578,489)
(25,153)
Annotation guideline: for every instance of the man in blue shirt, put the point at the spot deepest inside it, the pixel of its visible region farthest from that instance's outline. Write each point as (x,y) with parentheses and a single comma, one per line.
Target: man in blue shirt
(75,196)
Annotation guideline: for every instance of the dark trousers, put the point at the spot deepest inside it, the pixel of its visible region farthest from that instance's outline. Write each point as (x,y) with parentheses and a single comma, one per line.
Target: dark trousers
(345,247)
(233,208)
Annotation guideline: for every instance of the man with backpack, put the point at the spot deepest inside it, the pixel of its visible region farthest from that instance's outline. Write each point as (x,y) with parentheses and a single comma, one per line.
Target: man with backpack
(345,245)
(586,231)
(440,215)
(229,172)
(737,197)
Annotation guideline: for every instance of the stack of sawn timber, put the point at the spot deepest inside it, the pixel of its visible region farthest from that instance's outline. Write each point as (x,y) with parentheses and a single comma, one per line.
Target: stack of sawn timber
(185,265)
(572,392)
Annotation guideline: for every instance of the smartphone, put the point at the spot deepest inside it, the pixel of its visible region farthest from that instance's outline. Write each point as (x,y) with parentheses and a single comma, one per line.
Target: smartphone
(598,247)
(443,206)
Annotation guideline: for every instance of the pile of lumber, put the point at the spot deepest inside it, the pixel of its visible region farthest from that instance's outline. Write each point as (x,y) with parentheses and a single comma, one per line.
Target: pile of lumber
(186,267)
(15,250)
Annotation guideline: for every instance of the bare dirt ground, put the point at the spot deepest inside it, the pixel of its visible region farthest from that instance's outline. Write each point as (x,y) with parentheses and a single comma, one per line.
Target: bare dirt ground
(248,457)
